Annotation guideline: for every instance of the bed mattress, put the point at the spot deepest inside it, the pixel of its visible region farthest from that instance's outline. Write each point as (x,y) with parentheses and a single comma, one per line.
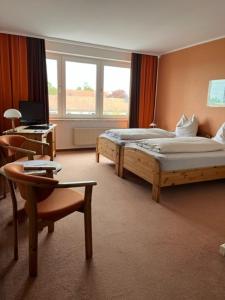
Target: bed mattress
(185,161)
(116,140)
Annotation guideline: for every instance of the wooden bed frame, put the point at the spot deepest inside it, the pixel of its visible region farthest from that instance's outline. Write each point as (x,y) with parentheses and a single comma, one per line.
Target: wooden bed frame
(113,151)
(147,167)
(110,150)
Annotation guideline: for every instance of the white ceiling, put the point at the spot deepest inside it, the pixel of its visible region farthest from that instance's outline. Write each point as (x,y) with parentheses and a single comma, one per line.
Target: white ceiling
(153,26)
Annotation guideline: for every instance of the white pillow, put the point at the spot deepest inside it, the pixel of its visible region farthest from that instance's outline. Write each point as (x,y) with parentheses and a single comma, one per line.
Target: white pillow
(220,135)
(187,127)
(182,121)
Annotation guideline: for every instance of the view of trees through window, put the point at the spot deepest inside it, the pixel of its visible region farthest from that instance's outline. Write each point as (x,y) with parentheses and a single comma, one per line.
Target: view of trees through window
(116,91)
(80,88)
(81,96)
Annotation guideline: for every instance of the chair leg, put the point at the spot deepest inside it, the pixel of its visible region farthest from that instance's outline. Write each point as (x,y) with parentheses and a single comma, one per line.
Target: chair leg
(88,231)
(3,185)
(33,247)
(97,152)
(15,218)
(97,157)
(51,227)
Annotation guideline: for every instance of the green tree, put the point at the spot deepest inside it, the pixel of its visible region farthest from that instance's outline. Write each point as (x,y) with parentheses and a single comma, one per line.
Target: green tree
(87,87)
(52,90)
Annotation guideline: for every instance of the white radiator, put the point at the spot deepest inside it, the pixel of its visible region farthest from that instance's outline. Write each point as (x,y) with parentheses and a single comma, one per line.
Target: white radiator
(86,137)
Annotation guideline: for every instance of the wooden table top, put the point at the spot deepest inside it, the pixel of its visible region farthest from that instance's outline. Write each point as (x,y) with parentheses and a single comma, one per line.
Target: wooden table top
(35,164)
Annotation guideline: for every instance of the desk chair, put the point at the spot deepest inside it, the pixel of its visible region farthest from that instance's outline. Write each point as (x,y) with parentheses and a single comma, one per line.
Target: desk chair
(12,148)
(47,201)
(13,145)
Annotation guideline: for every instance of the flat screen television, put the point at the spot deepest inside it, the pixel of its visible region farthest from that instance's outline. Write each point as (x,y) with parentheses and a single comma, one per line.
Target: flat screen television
(32,112)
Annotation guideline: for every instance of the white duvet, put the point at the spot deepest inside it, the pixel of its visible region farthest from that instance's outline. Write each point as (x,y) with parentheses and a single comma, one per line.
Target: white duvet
(181,144)
(139,133)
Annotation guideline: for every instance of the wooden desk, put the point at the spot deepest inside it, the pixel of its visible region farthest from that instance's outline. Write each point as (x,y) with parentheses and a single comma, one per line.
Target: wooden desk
(44,135)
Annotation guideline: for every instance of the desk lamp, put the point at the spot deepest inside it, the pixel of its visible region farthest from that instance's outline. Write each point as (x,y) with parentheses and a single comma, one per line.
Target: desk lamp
(12,114)
(153,125)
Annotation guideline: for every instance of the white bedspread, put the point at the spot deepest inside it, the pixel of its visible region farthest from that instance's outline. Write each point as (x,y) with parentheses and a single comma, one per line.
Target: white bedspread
(181,145)
(139,133)
(184,161)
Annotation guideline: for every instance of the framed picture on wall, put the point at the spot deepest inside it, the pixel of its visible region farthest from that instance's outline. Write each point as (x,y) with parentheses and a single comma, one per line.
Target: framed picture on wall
(216,93)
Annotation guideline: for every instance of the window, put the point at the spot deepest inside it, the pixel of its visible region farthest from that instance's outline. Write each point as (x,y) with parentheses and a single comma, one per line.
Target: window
(87,88)
(80,88)
(52,86)
(116,91)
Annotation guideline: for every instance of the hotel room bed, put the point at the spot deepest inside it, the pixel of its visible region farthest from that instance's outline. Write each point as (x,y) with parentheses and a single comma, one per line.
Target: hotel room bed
(169,169)
(110,146)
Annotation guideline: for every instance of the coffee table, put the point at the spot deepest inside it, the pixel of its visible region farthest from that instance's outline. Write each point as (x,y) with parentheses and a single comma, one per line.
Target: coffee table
(40,167)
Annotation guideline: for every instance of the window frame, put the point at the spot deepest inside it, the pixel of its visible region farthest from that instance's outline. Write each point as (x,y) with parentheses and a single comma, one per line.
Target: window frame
(118,64)
(59,80)
(61,77)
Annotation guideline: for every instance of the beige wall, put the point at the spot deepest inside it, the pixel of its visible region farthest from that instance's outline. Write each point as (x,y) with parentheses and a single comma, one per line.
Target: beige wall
(183,85)
(65,127)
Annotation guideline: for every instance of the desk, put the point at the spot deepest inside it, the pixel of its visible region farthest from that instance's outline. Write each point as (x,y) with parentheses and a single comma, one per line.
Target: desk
(48,135)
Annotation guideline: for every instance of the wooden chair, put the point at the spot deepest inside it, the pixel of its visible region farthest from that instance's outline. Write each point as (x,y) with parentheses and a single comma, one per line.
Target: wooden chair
(13,145)
(47,201)
(12,148)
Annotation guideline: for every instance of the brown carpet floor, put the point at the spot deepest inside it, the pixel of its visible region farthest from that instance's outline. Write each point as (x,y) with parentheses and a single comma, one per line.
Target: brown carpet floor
(142,250)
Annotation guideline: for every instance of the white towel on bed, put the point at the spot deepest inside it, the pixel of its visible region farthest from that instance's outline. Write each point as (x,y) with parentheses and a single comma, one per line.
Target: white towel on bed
(139,133)
(181,144)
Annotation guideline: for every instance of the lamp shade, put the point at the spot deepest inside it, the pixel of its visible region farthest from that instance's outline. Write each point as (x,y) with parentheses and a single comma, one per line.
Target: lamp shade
(153,125)
(12,114)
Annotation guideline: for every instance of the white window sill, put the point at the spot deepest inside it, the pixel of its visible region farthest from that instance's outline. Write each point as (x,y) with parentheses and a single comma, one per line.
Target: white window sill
(87,119)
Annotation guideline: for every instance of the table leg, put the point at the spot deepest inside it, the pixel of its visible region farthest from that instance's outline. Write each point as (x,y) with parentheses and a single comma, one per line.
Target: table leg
(50,141)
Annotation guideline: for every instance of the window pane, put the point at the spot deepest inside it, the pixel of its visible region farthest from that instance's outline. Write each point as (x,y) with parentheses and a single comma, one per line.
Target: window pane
(80,88)
(116,91)
(52,85)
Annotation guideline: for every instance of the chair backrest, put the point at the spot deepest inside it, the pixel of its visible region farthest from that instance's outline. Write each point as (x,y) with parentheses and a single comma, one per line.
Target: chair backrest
(10,140)
(30,186)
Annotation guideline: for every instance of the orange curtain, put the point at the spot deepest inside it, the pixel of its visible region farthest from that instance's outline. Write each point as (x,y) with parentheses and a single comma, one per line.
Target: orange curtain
(13,74)
(5,79)
(147,91)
